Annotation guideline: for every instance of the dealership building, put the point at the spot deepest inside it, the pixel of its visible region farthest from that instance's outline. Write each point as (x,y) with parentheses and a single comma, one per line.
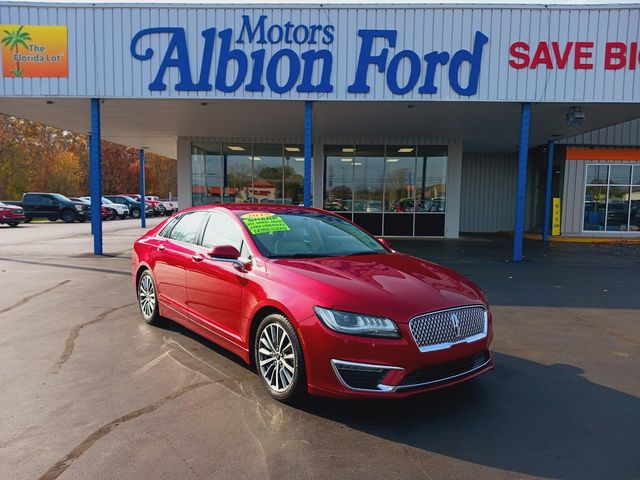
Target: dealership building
(410,120)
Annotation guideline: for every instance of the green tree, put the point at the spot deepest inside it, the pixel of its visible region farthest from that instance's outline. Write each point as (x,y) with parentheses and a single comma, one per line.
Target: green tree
(14,40)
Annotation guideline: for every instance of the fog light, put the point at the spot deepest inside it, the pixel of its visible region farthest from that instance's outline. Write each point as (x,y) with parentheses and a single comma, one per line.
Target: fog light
(363,376)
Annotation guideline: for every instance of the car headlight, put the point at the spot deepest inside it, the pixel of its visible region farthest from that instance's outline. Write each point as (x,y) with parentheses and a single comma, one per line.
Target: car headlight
(80,207)
(357,323)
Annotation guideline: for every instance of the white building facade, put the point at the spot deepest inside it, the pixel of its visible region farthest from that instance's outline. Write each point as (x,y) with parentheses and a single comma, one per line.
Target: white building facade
(415,110)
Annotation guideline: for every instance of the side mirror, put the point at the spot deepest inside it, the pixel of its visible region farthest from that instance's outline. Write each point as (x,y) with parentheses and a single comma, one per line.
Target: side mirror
(226,252)
(385,243)
(229,253)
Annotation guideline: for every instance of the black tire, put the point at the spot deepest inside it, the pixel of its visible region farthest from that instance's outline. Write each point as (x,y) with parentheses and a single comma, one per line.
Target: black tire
(27,220)
(52,219)
(68,216)
(13,224)
(113,215)
(296,389)
(146,289)
(135,212)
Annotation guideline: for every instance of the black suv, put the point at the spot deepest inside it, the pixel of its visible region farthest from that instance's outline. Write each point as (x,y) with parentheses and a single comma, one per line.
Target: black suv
(134,206)
(53,206)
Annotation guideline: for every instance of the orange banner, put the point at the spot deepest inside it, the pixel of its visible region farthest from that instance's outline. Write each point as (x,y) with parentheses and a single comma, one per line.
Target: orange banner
(34,51)
(603,153)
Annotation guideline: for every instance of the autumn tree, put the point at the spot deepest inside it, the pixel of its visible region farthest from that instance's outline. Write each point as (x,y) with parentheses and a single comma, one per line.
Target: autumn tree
(35,157)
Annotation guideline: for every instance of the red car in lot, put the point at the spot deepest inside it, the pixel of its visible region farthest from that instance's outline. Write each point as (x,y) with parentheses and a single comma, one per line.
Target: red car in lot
(313,301)
(11,215)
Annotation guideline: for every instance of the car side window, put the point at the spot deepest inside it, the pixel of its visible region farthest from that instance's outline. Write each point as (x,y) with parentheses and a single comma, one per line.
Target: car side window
(166,230)
(187,227)
(222,230)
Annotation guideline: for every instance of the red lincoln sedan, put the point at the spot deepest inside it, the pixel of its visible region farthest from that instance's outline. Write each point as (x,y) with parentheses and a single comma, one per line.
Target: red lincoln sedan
(315,303)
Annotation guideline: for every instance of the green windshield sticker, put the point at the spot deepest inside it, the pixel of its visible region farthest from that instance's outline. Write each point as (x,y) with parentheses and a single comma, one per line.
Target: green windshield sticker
(258,223)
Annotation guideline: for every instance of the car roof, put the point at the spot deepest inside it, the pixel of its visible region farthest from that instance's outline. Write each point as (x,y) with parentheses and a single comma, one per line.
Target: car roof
(240,208)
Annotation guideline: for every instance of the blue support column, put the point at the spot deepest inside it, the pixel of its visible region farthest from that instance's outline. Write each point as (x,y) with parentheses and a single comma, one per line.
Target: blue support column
(547,195)
(95,177)
(308,154)
(143,213)
(518,233)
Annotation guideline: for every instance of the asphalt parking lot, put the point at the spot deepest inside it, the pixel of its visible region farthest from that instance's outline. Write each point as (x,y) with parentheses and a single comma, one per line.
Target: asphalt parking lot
(88,391)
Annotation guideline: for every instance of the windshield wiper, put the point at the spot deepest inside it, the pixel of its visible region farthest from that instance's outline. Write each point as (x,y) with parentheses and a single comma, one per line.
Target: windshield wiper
(370,252)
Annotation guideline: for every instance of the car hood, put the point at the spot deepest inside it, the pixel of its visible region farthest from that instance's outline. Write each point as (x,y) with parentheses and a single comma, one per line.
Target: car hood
(11,207)
(393,285)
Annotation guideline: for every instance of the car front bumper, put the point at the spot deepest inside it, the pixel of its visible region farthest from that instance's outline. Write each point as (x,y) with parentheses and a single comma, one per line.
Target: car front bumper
(12,218)
(348,366)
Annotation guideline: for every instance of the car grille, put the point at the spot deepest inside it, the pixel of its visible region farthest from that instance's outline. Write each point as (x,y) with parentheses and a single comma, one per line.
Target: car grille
(439,330)
(445,372)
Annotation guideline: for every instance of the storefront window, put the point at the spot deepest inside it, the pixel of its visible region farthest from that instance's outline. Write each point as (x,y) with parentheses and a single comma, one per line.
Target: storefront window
(293,174)
(206,168)
(267,173)
(611,201)
(238,172)
(338,195)
(245,172)
(385,188)
(431,191)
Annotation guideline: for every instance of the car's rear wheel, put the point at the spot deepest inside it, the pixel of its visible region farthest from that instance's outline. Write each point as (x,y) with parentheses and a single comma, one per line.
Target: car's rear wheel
(278,358)
(148,298)
(69,216)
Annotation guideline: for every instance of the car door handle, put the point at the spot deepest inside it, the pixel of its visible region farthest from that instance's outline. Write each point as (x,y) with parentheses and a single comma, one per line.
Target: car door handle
(197,258)
(161,247)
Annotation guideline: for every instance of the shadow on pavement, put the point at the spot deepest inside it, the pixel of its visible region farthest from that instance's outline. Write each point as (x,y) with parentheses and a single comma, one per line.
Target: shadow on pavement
(553,275)
(523,417)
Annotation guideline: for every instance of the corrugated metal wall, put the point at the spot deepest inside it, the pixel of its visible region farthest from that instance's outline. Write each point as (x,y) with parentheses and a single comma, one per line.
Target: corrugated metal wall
(101,64)
(488,194)
(623,134)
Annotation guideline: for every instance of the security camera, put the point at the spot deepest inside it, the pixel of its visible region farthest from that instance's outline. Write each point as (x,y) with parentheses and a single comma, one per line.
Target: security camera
(575,116)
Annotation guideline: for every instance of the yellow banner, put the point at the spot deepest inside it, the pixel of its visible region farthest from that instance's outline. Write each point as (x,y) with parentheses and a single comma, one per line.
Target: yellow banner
(34,51)
(555,224)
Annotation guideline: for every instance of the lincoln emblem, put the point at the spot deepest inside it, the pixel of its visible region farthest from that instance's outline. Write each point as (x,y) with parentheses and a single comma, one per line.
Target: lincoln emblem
(455,323)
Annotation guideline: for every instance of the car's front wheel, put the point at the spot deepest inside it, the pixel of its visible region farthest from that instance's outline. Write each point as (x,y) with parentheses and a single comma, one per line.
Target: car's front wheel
(278,358)
(135,213)
(69,216)
(148,298)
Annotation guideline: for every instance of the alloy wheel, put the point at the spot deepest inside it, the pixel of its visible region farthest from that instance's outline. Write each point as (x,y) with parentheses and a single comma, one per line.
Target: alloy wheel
(276,357)
(147,297)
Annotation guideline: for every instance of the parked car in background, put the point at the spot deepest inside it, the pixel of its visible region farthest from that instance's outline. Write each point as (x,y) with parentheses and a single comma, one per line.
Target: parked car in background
(133,205)
(120,210)
(11,215)
(105,212)
(313,301)
(54,206)
(170,206)
(156,205)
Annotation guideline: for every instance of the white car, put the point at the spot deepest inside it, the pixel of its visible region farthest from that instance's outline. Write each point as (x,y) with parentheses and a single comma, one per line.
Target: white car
(170,206)
(121,210)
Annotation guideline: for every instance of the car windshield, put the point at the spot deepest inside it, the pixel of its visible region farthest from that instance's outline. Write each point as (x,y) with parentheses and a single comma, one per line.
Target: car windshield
(307,235)
(60,198)
(106,200)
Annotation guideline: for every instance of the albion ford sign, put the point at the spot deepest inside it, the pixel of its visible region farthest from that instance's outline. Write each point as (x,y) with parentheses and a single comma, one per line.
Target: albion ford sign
(271,63)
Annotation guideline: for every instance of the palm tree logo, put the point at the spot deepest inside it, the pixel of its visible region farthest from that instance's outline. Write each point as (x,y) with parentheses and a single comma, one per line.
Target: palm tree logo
(13,40)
